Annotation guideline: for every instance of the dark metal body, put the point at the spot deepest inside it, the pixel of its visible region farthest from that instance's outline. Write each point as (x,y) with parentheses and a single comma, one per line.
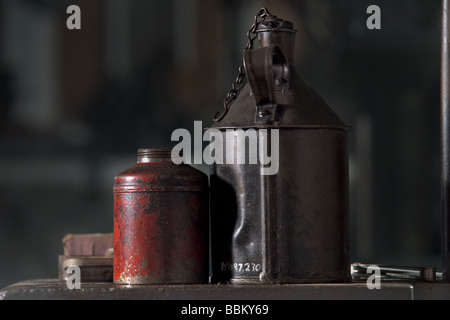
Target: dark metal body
(291,227)
(161,225)
(445,141)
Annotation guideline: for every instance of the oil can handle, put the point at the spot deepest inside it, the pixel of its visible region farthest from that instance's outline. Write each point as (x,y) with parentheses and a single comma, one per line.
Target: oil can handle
(267,71)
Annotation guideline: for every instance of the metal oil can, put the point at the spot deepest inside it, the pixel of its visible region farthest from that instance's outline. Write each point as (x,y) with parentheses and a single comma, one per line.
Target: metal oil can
(290,226)
(161,222)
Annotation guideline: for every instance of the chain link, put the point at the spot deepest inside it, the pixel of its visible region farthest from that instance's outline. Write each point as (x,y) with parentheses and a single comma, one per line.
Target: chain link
(239,82)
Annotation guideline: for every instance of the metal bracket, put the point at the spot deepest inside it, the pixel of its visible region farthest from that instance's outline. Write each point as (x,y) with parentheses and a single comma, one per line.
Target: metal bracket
(267,114)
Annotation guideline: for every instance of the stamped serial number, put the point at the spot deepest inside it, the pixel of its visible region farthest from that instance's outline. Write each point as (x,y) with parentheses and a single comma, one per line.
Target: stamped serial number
(240,267)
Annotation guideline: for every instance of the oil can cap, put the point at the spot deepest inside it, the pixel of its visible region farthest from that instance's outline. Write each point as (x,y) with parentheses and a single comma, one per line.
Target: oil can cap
(275,24)
(154,155)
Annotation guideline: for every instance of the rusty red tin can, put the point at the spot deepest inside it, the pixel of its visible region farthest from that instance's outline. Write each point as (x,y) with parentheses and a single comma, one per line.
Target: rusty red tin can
(161,222)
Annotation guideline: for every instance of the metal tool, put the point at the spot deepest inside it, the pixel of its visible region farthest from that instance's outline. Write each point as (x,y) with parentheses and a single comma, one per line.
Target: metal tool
(361,272)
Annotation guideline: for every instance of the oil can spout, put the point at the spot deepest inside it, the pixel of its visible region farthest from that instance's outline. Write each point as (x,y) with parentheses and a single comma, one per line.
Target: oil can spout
(271,31)
(277,31)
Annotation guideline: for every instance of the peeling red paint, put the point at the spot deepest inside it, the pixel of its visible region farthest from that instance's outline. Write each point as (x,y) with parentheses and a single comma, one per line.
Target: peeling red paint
(161,224)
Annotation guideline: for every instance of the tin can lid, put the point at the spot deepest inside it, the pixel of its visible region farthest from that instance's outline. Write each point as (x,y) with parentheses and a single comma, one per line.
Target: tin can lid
(155,171)
(274,24)
(154,155)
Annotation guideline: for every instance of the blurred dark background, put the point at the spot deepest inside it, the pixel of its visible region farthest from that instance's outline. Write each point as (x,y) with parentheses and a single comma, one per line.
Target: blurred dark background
(76,105)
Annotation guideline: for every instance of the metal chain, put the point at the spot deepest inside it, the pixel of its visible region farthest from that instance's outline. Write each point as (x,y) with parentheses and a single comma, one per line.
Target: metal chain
(239,82)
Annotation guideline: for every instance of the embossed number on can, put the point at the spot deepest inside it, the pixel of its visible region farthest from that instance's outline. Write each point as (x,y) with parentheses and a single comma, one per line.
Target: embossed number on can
(240,267)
